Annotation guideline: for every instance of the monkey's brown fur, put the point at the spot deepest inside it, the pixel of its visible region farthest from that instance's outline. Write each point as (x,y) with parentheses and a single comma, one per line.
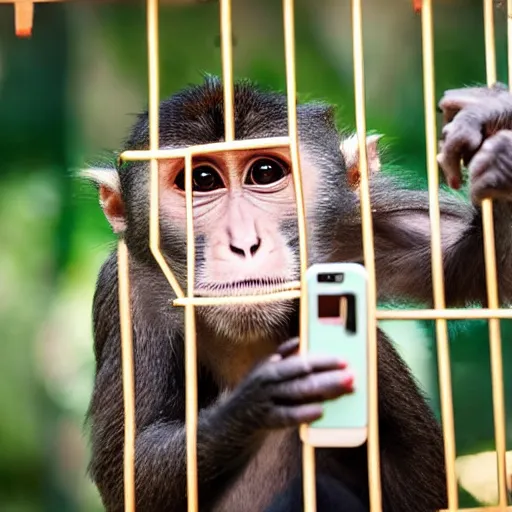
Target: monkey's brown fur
(248,448)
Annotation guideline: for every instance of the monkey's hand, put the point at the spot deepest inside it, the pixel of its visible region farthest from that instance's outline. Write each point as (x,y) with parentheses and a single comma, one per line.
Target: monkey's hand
(477,131)
(287,389)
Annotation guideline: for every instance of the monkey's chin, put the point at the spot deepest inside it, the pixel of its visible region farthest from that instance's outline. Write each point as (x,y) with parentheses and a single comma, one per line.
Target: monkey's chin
(248,323)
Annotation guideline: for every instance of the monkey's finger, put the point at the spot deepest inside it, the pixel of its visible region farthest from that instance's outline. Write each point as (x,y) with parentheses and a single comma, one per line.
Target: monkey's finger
(454,101)
(317,387)
(461,139)
(283,416)
(491,169)
(298,366)
(451,104)
(496,151)
(466,96)
(288,347)
(448,114)
(451,169)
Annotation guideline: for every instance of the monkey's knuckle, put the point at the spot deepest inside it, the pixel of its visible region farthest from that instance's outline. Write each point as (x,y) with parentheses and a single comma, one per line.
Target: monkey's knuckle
(304,388)
(306,365)
(446,131)
(502,142)
(463,136)
(487,186)
(262,376)
(294,417)
(314,386)
(490,145)
(301,364)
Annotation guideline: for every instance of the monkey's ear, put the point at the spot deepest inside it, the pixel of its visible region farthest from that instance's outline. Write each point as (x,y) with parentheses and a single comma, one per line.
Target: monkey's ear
(349,148)
(109,190)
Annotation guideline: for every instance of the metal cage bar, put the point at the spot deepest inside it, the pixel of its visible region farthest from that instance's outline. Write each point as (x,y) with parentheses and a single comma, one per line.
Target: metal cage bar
(374,477)
(436,254)
(298,289)
(498,400)
(128,377)
(308,451)
(191,412)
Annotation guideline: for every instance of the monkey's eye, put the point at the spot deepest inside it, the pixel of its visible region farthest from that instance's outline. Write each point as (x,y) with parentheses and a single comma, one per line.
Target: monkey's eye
(204,179)
(265,171)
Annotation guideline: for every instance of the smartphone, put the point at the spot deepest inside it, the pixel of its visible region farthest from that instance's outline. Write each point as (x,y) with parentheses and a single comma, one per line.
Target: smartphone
(337,314)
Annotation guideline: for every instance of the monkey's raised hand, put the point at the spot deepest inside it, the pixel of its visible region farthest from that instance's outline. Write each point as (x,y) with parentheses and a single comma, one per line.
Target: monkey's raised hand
(288,389)
(472,116)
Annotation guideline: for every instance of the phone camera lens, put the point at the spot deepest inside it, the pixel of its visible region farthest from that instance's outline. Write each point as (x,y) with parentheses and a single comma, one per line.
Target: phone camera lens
(330,278)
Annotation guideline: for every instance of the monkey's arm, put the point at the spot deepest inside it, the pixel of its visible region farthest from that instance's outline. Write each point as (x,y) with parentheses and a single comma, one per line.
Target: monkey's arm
(403,249)
(224,445)
(412,472)
(477,132)
(285,390)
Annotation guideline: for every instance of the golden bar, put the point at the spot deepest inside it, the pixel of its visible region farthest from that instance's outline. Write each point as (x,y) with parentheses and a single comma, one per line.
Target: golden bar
(509,41)
(154,130)
(24,15)
(437,258)
(190,351)
(308,451)
(374,480)
(446,314)
(23,18)
(498,399)
(227,69)
(202,149)
(128,377)
(482,509)
(242,299)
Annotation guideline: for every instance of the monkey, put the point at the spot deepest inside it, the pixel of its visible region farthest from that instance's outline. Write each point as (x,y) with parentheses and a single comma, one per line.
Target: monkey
(254,389)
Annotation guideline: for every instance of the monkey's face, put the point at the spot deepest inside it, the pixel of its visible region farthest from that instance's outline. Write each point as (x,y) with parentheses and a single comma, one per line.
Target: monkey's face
(244,208)
(245,227)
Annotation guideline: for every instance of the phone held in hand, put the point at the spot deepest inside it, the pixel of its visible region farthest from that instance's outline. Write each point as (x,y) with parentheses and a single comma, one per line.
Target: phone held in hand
(337,311)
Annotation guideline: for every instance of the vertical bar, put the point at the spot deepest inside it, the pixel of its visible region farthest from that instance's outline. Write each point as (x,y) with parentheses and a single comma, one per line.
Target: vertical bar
(227,68)
(291,88)
(509,56)
(308,451)
(23,18)
(437,258)
(498,400)
(154,143)
(190,350)
(509,42)
(369,261)
(490,51)
(128,376)
(153,112)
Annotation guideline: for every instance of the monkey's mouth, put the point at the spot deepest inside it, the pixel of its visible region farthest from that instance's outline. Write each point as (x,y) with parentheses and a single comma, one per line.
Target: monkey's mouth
(244,287)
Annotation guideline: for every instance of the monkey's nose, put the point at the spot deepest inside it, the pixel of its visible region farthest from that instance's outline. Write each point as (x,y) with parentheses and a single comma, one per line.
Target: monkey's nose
(246,250)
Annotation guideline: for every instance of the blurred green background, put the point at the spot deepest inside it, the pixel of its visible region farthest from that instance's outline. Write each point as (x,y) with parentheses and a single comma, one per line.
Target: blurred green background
(67,98)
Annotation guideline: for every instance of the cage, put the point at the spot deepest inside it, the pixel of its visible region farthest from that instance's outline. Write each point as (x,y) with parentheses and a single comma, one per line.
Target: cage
(185,298)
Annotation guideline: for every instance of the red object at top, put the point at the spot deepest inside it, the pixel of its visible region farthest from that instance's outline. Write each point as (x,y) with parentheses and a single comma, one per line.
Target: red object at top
(417,4)
(24,32)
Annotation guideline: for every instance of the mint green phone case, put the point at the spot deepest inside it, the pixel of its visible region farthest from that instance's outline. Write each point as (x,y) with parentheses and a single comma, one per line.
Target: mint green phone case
(327,335)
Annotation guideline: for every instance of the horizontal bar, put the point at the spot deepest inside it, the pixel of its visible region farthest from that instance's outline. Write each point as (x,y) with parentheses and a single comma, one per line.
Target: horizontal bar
(481,509)
(242,299)
(292,291)
(176,2)
(446,314)
(214,147)
(26,1)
